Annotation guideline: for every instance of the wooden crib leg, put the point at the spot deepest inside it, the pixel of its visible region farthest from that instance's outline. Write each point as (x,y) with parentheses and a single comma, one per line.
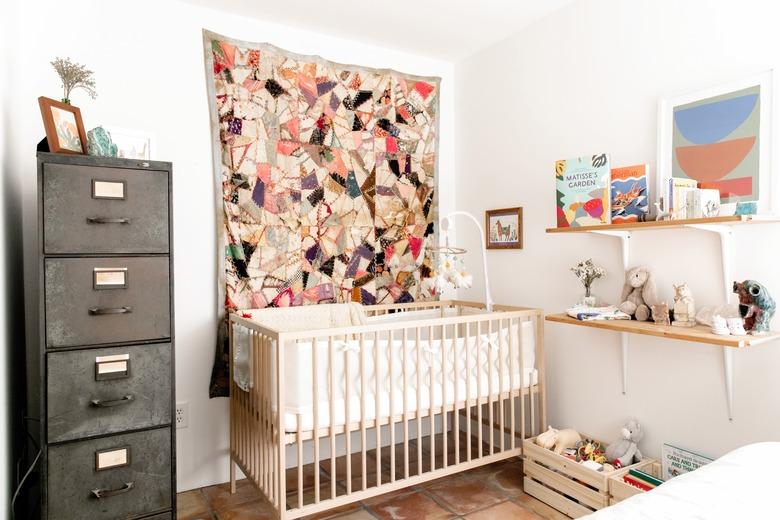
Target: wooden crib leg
(232,476)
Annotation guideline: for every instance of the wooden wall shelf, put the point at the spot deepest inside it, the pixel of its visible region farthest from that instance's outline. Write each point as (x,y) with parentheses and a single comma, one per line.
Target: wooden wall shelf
(721,226)
(697,334)
(669,224)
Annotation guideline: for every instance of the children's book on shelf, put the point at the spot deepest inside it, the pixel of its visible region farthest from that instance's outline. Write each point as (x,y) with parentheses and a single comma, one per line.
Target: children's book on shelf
(629,194)
(676,461)
(583,192)
(677,196)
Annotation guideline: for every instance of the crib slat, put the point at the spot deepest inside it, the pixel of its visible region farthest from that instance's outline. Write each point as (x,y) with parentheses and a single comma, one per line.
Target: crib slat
(501,384)
(512,348)
(332,413)
(299,445)
(269,370)
(348,418)
(521,346)
(456,386)
(478,343)
(377,429)
(254,403)
(316,419)
(431,398)
(404,388)
(363,407)
(490,350)
(281,467)
(418,348)
(391,353)
(467,345)
(444,429)
(542,389)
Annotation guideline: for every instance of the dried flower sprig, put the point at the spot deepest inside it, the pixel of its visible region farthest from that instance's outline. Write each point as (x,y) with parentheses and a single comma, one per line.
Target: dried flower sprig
(73,76)
(586,271)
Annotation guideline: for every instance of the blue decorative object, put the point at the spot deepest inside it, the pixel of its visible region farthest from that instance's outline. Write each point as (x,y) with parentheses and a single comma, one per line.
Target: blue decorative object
(746,208)
(756,306)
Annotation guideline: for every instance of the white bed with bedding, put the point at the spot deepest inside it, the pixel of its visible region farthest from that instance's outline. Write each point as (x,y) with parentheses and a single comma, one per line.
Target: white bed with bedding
(742,484)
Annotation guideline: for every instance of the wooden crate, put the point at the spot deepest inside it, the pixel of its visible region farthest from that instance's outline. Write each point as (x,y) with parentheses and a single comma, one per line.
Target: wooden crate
(564,484)
(619,490)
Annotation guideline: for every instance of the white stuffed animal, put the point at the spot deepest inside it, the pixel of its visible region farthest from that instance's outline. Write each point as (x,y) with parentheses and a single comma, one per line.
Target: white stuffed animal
(558,440)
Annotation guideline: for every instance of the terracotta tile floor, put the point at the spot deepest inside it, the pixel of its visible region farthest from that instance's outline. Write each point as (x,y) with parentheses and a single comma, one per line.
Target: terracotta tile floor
(491,492)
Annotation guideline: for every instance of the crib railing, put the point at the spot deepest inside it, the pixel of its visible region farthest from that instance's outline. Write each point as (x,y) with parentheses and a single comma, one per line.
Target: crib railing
(469,412)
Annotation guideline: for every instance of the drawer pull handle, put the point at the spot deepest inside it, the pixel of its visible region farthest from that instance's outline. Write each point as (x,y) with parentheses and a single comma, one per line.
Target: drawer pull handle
(100,403)
(106,220)
(99,311)
(106,493)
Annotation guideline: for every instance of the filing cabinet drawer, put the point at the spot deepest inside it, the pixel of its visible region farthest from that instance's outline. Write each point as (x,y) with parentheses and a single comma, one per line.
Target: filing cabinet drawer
(92,301)
(121,476)
(96,210)
(108,390)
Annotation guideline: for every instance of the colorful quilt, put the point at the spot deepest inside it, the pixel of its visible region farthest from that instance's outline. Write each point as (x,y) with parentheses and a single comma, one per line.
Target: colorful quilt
(327,180)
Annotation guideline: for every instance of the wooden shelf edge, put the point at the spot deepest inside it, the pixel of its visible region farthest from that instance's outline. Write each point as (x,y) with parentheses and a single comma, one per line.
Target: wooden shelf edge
(669,224)
(697,334)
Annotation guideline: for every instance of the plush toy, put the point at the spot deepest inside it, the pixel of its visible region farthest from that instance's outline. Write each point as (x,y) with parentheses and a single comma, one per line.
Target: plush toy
(756,306)
(639,293)
(558,440)
(625,451)
(684,309)
(588,449)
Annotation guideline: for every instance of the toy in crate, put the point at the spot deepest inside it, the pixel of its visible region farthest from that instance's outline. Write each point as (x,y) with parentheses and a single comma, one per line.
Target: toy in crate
(571,472)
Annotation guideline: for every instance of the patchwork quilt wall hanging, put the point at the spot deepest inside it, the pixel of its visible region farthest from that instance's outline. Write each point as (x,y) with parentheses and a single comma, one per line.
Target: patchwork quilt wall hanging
(326,178)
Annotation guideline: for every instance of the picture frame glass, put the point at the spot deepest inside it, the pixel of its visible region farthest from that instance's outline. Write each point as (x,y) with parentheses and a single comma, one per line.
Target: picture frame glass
(504,229)
(66,126)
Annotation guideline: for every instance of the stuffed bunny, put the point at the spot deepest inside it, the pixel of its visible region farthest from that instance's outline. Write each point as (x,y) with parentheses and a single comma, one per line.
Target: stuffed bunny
(626,450)
(639,293)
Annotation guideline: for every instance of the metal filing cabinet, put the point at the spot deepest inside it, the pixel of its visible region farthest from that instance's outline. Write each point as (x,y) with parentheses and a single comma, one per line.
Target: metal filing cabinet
(103,358)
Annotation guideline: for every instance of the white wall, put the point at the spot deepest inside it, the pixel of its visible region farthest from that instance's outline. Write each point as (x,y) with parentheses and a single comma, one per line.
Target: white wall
(148,62)
(585,80)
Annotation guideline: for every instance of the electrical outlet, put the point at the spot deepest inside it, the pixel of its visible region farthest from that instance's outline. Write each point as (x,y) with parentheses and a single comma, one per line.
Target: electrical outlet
(182,414)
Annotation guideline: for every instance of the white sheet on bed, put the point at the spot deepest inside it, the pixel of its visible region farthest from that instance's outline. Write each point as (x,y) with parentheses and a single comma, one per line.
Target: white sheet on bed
(481,381)
(741,484)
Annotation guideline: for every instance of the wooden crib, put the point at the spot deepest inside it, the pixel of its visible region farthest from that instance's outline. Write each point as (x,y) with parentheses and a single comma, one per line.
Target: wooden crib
(383,397)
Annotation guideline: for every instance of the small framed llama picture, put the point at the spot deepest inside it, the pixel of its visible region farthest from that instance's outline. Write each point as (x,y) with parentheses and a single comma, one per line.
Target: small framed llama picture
(504,228)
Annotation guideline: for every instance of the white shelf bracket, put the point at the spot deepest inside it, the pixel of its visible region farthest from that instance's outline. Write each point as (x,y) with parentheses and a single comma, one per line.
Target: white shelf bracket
(728,374)
(726,254)
(625,337)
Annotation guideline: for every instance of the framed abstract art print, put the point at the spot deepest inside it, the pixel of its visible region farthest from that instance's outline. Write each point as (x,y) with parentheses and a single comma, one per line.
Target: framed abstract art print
(720,138)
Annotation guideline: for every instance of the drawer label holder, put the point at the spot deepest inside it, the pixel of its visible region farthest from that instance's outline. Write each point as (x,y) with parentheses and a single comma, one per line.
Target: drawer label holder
(109,190)
(112,458)
(112,367)
(104,278)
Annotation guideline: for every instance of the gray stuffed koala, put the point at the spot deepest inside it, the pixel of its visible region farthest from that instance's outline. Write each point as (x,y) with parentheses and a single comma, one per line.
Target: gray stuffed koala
(626,450)
(639,293)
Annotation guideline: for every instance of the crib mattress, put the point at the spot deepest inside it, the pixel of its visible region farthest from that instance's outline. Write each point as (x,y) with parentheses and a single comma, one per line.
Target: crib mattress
(340,409)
